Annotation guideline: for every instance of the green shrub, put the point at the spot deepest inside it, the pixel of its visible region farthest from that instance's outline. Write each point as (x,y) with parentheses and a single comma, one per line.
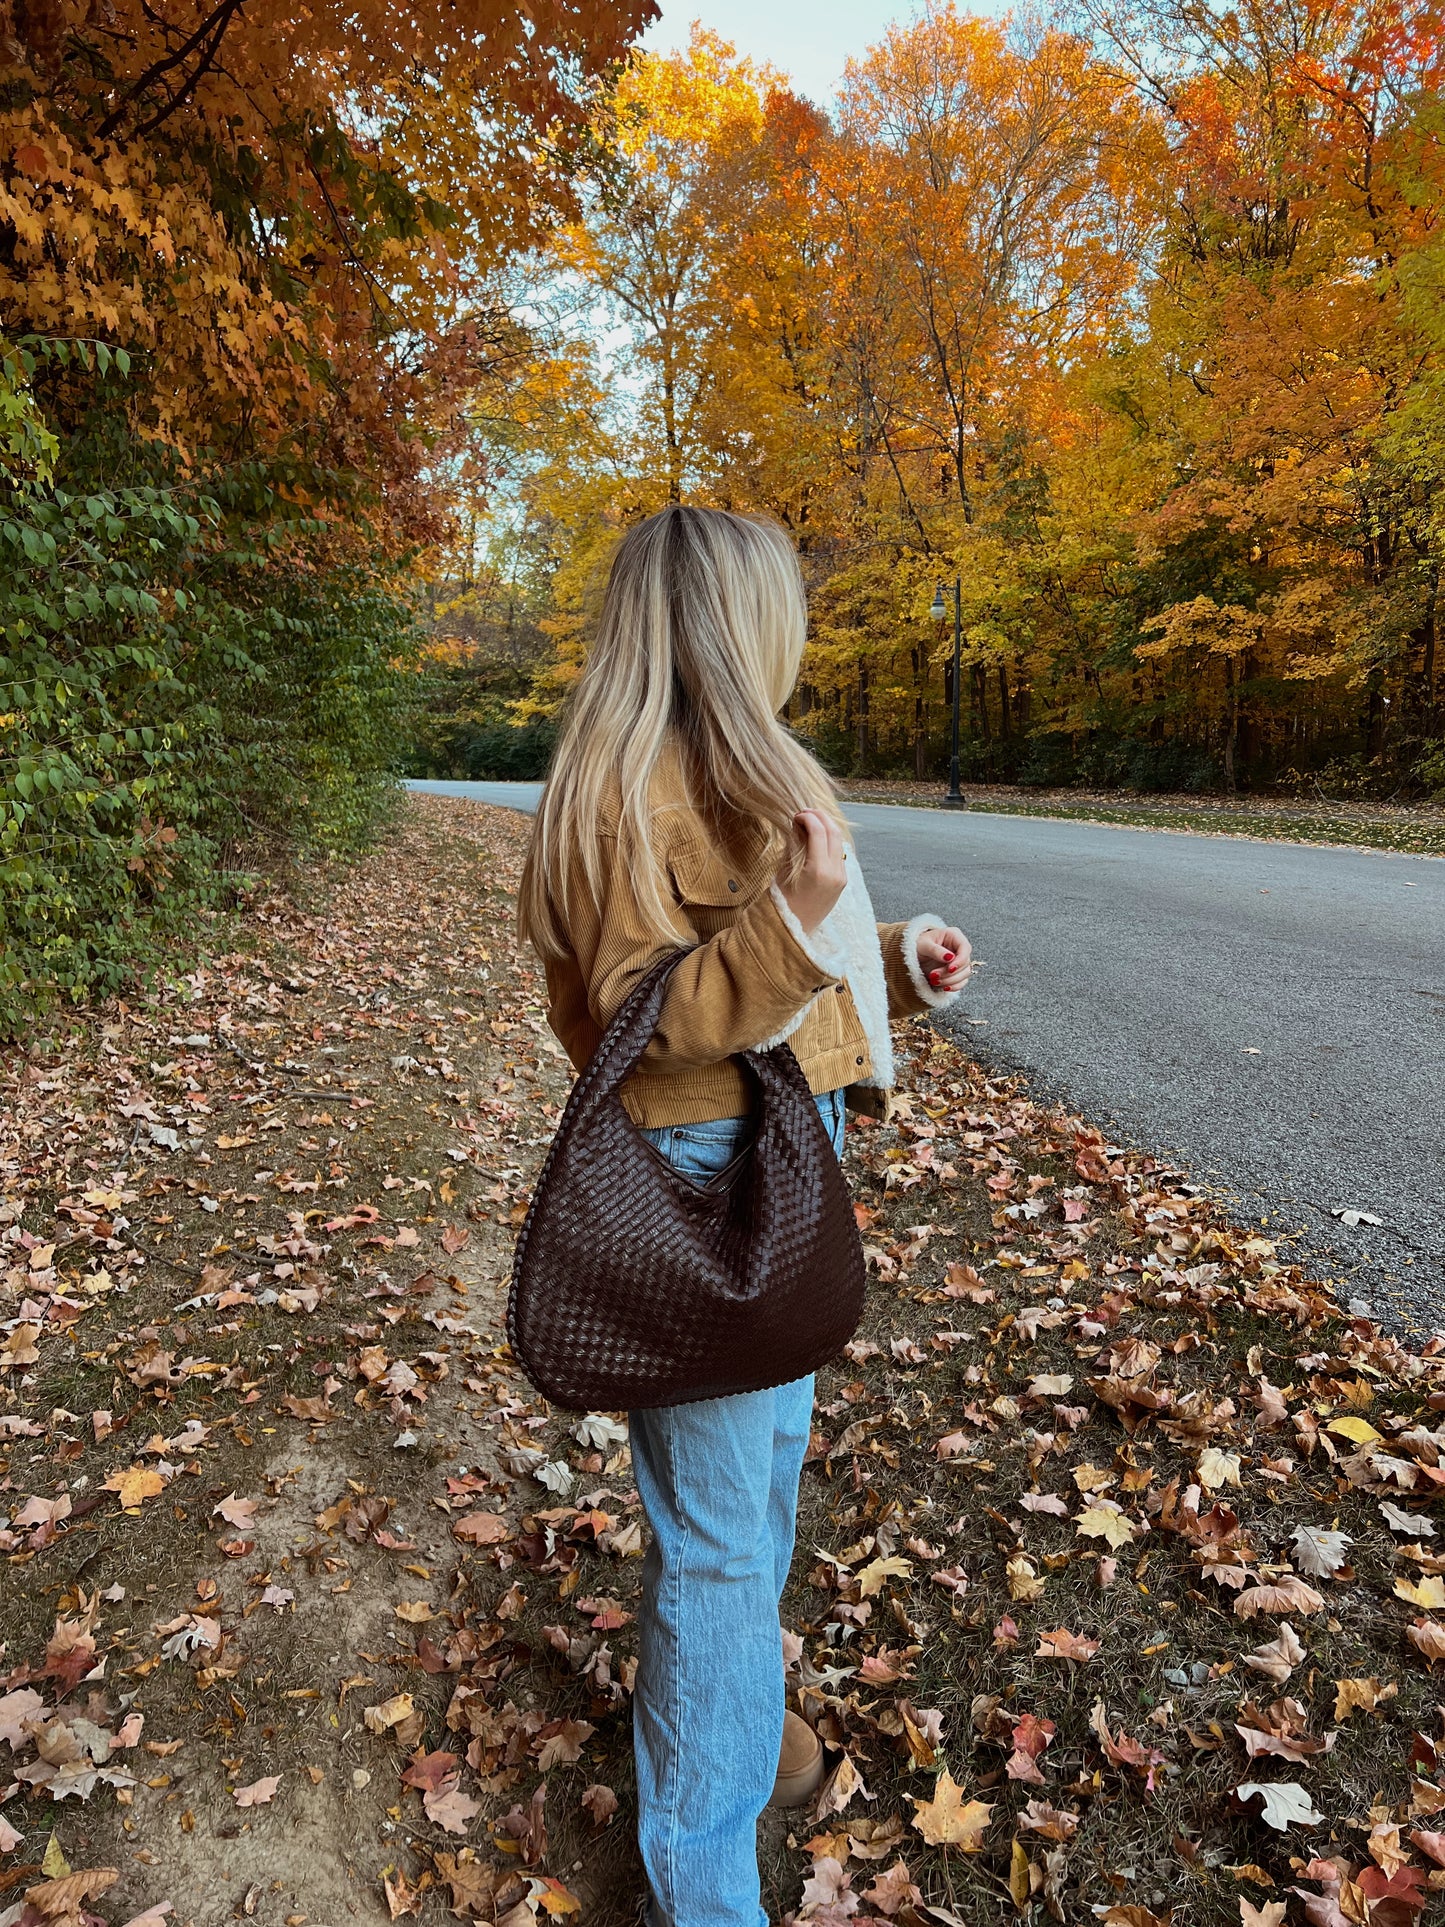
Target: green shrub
(185,677)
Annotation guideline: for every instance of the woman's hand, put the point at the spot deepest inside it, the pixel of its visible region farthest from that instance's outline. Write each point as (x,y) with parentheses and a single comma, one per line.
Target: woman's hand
(818,877)
(945,958)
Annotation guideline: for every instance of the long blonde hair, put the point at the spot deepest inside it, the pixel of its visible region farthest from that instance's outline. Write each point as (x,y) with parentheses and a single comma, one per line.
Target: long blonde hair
(698,645)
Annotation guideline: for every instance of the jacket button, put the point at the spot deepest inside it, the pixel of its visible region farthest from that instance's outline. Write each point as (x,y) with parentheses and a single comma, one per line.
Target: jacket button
(732,883)
(858,1060)
(840,988)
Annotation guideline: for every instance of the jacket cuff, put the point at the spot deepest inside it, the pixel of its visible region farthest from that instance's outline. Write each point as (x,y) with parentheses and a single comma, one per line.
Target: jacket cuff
(818,949)
(912,931)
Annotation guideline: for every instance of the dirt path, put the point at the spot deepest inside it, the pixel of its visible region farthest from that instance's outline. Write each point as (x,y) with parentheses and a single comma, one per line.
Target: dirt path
(313,1613)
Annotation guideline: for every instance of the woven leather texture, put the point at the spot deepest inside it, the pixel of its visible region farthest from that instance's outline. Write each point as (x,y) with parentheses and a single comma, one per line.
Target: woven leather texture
(634,1286)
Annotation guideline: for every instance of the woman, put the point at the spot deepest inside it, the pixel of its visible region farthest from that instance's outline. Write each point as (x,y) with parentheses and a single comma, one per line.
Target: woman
(679,812)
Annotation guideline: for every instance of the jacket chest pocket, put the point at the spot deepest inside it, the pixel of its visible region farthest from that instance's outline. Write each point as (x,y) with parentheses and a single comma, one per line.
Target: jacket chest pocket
(714,880)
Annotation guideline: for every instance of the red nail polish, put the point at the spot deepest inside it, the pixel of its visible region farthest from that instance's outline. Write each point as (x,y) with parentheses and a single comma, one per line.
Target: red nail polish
(934,975)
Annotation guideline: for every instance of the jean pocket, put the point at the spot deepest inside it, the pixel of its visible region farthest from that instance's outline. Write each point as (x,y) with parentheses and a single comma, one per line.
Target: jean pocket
(706,1150)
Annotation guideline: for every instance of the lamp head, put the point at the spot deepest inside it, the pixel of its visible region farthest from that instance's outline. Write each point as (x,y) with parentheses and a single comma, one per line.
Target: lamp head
(938,612)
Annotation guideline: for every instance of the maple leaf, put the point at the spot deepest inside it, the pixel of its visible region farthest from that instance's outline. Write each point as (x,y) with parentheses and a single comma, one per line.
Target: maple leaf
(1121,1750)
(1023,1581)
(1288,1595)
(1216,1468)
(1427,1636)
(1280,1656)
(134,1486)
(1050,1385)
(843,1786)
(69,1655)
(562,1743)
(826,1885)
(1284,1803)
(601,1802)
(236,1512)
(1107,1521)
(1280,1733)
(1427,1592)
(17,1710)
(428,1771)
(1270,1914)
(450,1808)
(873,1576)
(1361,1695)
(387,1713)
(947,1820)
(1054,1823)
(259,1793)
(1062,1644)
(481,1529)
(1030,1738)
(1048,1502)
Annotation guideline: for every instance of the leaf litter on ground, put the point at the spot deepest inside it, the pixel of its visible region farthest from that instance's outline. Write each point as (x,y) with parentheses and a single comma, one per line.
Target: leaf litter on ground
(1114,1597)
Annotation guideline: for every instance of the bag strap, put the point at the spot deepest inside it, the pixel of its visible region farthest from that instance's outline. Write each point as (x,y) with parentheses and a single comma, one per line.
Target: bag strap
(629,1033)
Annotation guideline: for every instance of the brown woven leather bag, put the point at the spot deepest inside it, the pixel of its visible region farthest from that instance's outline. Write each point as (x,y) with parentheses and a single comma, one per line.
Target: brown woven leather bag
(635,1286)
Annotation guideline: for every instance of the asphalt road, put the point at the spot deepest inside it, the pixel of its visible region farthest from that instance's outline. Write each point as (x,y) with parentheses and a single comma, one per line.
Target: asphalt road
(1269,1015)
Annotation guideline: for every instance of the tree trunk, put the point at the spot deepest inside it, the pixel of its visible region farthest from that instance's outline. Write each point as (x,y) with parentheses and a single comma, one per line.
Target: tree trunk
(1003,715)
(862,718)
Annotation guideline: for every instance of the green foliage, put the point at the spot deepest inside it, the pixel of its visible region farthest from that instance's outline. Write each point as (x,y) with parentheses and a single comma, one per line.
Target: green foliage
(187,676)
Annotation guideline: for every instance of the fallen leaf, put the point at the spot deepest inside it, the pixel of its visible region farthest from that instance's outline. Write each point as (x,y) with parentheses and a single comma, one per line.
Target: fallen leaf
(387,1713)
(1288,1595)
(1279,1658)
(601,1802)
(1427,1592)
(1361,1695)
(480,1529)
(1271,1914)
(134,1486)
(1413,1522)
(1428,1637)
(1062,1644)
(1105,1520)
(947,1820)
(871,1579)
(1285,1803)
(1216,1468)
(1357,1430)
(260,1793)
(1054,1823)
(1318,1553)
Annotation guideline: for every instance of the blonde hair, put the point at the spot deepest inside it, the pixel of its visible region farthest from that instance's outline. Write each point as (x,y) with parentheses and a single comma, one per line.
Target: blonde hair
(698,646)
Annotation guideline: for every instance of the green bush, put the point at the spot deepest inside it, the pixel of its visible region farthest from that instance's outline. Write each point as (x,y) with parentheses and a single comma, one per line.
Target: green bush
(186,676)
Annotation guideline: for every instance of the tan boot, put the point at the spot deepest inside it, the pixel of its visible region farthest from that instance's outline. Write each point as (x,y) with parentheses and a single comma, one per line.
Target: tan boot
(800,1764)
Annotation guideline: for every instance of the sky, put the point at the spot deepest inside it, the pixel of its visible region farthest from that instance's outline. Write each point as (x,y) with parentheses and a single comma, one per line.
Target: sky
(808,39)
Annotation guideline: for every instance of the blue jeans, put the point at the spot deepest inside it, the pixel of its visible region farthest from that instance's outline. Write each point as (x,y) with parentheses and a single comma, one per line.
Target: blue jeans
(719,1481)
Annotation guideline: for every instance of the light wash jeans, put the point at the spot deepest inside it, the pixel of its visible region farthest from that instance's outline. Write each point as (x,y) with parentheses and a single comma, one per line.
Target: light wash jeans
(719,1481)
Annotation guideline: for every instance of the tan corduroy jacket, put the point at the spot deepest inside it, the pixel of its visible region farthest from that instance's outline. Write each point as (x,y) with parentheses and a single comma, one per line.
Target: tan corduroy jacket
(746,978)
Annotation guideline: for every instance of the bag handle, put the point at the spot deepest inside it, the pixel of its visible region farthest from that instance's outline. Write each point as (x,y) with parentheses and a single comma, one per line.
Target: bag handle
(629,1033)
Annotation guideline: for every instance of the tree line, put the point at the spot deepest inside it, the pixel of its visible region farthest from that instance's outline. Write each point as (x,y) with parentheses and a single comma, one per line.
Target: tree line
(1129,323)
(248,299)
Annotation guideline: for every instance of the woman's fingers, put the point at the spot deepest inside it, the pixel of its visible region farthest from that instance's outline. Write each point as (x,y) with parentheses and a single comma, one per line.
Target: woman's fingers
(817,882)
(946,957)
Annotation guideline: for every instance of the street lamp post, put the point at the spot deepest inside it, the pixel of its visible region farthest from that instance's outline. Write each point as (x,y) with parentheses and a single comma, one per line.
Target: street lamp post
(955,798)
